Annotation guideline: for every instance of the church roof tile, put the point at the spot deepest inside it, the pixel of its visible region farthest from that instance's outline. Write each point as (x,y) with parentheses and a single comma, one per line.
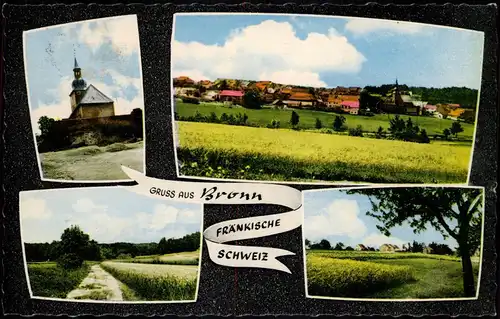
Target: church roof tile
(93,96)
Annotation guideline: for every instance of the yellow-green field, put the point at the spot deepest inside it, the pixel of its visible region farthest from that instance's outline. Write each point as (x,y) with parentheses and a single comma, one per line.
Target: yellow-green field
(184,258)
(156,282)
(216,150)
(345,274)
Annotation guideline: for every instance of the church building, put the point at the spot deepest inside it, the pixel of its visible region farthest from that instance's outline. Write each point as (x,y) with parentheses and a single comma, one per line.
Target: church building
(399,101)
(88,101)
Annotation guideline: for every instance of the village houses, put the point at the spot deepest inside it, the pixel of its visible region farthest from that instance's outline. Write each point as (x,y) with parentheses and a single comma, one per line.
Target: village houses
(338,99)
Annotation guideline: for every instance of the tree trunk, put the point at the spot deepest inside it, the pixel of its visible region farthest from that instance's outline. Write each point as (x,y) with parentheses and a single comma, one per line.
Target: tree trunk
(467,272)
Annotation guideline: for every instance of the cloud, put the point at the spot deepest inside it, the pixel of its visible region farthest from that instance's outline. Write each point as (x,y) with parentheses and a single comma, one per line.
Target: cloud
(187,216)
(365,26)
(341,218)
(118,90)
(121,32)
(33,208)
(293,78)
(376,240)
(268,49)
(195,75)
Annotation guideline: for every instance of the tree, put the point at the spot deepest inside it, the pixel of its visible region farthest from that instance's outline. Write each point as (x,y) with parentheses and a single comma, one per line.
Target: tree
(424,138)
(380,132)
(446,133)
(45,125)
(294,119)
(318,124)
(456,128)
(433,207)
(349,248)
(74,241)
(338,123)
(251,100)
(339,246)
(162,246)
(325,244)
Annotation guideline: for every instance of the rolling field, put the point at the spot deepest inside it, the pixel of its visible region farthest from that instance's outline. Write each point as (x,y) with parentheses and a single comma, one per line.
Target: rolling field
(156,282)
(307,118)
(226,151)
(48,280)
(184,258)
(384,275)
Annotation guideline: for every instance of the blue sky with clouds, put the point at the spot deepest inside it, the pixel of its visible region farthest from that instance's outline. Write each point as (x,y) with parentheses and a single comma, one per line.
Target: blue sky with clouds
(109,214)
(325,51)
(107,51)
(339,217)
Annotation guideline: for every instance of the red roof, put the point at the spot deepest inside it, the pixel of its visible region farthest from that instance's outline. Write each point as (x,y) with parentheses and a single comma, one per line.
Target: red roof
(351,104)
(231,93)
(430,107)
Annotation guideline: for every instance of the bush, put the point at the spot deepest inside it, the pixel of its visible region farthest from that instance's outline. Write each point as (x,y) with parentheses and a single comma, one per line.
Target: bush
(191,100)
(274,124)
(318,124)
(423,137)
(380,133)
(70,261)
(338,123)
(358,131)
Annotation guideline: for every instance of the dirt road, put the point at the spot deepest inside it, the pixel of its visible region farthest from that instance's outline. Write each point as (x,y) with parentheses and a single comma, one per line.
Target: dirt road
(98,285)
(91,164)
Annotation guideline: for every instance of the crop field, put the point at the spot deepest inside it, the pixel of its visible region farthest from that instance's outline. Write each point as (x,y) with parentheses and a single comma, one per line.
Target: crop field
(48,280)
(307,118)
(155,281)
(184,258)
(384,275)
(227,151)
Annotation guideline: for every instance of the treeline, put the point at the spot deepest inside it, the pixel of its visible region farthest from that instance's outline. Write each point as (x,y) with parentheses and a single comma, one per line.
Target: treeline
(467,98)
(415,247)
(96,252)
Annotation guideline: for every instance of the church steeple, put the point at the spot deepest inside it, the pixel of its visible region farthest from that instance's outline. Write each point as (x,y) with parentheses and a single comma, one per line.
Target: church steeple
(76,67)
(78,83)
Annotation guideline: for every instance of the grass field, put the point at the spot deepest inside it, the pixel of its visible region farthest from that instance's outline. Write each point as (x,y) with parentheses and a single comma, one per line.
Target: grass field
(48,280)
(226,151)
(93,162)
(156,282)
(307,118)
(384,275)
(184,258)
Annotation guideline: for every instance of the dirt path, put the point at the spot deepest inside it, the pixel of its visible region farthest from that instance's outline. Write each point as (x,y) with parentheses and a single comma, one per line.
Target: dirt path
(102,166)
(98,285)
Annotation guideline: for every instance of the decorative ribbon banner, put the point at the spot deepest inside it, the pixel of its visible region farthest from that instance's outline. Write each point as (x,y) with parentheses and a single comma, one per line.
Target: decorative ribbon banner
(236,229)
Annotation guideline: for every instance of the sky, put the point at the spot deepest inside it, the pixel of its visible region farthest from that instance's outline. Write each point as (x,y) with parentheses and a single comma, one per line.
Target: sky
(339,217)
(325,51)
(110,214)
(108,53)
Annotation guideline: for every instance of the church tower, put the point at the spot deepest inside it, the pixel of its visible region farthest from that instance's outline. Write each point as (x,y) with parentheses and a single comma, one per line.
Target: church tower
(78,85)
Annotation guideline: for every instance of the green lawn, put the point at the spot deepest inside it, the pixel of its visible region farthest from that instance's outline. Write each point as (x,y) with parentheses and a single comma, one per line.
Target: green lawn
(434,279)
(48,280)
(307,118)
